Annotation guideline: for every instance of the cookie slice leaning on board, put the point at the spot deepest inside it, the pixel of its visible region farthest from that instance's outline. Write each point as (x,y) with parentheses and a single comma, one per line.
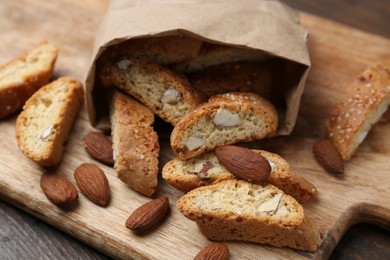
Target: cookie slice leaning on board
(43,127)
(135,143)
(21,77)
(367,99)
(167,94)
(225,119)
(206,169)
(239,210)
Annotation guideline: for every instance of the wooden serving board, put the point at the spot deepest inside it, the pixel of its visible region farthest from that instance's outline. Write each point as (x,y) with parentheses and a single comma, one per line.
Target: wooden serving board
(339,54)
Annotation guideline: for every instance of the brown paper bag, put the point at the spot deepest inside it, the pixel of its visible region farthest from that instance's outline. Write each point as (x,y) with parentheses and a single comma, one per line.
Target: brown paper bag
(267,26)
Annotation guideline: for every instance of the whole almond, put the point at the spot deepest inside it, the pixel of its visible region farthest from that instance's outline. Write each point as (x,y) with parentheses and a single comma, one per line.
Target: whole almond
(99,147)
(93,183)
(244,163)
(58,189)
(328,156)
(148,215)
(217,251)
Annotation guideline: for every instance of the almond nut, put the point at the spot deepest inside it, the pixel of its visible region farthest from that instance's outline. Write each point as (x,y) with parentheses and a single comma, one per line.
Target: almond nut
(203,172)
(170,96)
(99,147)
(46,133)
(213,251)
(194,142)
(148,215)
(58,189)
(244,163)
(124,64)
(328,156)
(270,206)
(93,183)
(224,117)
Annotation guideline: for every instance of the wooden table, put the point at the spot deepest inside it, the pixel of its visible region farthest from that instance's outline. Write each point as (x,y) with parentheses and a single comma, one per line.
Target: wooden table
(23,236)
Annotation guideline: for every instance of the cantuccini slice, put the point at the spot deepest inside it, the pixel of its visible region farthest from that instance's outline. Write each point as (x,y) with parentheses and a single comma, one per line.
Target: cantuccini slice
(215,54)
(167,94)
(366,101)
(135,144)
(206,170)
(238,210)
(21,77)
(230,77)
(161,50)
(225,119)
(43,127)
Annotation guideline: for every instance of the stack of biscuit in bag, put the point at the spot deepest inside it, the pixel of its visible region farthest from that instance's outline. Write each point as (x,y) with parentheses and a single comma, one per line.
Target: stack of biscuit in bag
(213,95)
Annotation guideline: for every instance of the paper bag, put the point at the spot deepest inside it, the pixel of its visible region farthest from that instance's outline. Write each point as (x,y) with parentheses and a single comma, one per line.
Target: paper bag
(266,26)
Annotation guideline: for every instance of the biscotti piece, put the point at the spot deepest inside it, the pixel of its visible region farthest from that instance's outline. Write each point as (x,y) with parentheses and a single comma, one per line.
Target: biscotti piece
(285,179)
(43,127)
(21,77)
(225,119)
(214,54)
(161,50)
(238,210)
(206,169)
(167,94)
(126,110)
(366,101)
(136,151)
(135,144)
(230,77)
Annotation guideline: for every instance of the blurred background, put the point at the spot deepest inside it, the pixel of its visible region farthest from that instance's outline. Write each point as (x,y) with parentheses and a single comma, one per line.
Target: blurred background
(368,15)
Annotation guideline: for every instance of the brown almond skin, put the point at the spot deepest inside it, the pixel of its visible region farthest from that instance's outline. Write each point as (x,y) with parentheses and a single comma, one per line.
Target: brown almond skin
(144,218)
(58,190)
(99,147)
(93,183)
(244,163)
(328,156)
(214,251)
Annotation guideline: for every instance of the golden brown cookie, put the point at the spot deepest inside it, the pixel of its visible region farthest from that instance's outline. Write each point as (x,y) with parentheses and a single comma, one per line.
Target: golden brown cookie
(230,77)
(238,210)
(135,144)
(224,119)
(366,101)
(21,77)
(167,94)
(206,169)
(214,54)
(43,127)
(161,50)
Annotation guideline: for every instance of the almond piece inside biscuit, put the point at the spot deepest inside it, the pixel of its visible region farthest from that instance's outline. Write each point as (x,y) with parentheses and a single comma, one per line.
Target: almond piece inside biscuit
(170,96)
(46,133)
(224,117)
(194,142)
